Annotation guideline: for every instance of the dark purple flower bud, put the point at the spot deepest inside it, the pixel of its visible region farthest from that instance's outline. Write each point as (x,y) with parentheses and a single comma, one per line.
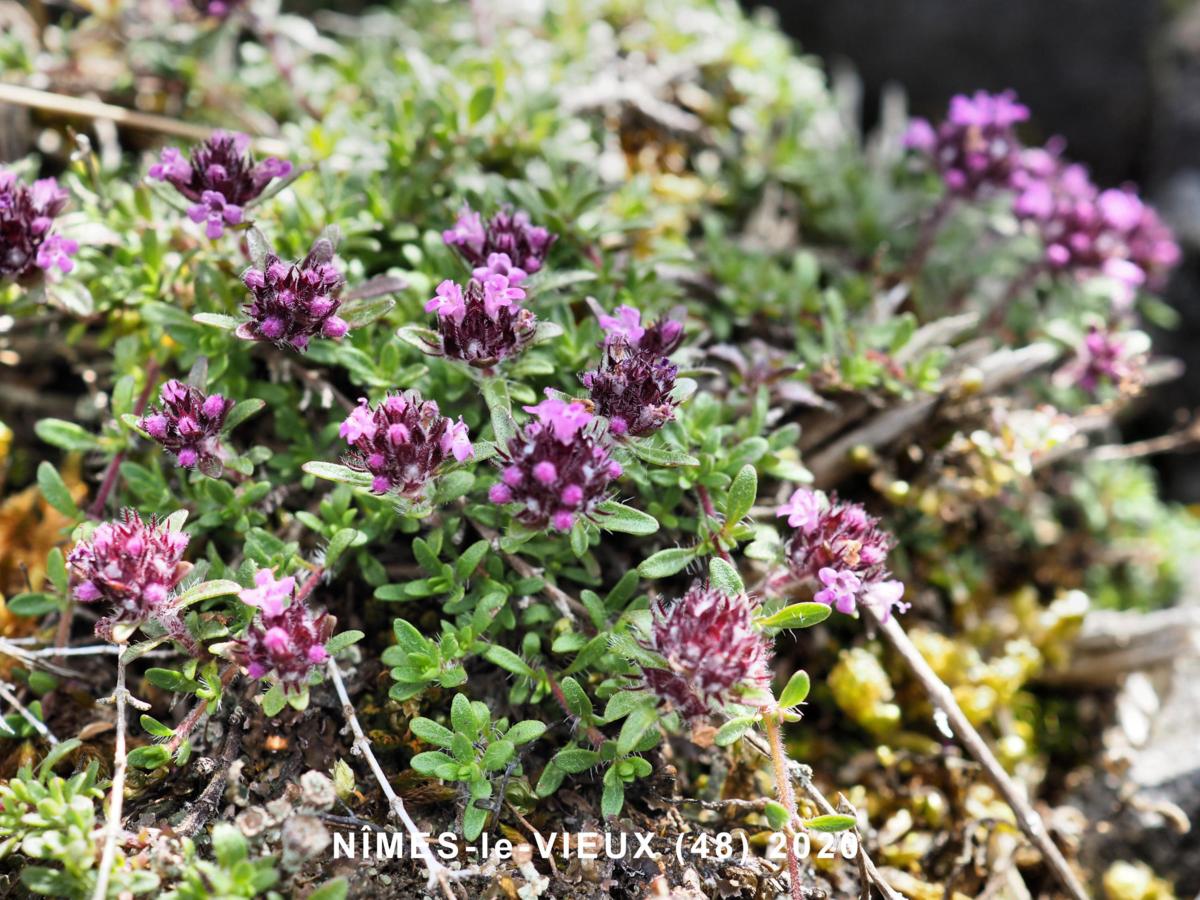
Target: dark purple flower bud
(632,389)
(27,215)
(403,442)
(134,566)
(484,323)
(975,149)
(715,652)
(220,178)
(660,338)
(293,303)
(188,424)
(557,468)
(842,549)
(507,241)
(284,638)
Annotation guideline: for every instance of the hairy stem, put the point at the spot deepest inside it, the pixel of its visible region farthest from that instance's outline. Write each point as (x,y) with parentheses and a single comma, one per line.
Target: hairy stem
(710,513)
(1031,823)
(783,789)
(188,725)
(438,873)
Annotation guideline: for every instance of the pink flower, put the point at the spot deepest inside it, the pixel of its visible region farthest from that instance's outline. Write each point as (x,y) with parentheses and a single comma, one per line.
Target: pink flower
(803,510)
(564,419)
(841,589)
(448,302)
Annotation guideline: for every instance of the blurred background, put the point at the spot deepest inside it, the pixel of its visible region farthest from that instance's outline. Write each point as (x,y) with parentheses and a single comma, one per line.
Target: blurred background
(1118,79)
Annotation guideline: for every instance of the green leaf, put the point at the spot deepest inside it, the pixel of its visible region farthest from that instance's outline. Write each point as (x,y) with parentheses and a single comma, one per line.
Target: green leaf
(506,659)
(613,797)
(481,102)
(662,456)
(342,640)
(524,732)
(274,700)
(666,562)
(640,718)
(474,819)
(170,680)
(337,889)
(431,732)
(241,412)
(470,559)
(741,495)
(149,757)
(733,729)
(550,279)
(576,759)
(32,604)
(453,485)
(360,313)
(725,577)
(796,690)
(156,728)
(619,517)
(462,717)
(55,490)
(495,395)
(206,590)
(798,615)
(497,755)
(830,824)
(551,778)
(777,815)
(340,474)
(217,320)
(65,435)
(622,703)
(431,762)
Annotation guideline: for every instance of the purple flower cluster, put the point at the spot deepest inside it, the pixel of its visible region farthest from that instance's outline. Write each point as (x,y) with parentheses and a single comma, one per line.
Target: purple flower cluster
(483,323)
(1090,231)
(842,548)
(189,424)
(220,178)
(27,242)
(284,637)
(133,565)
(713,648)
(632,389)
(557,468)
(507,245)
(1106,356)
(975,149)
(293,303)
(402,442)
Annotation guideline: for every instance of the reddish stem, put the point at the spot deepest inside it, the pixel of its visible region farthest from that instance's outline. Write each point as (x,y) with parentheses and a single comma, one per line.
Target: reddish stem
(783,788)
(114,466)
(188,725)
(928,236)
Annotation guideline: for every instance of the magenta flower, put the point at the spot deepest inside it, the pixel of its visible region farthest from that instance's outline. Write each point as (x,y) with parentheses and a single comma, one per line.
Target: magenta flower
(842,548)
(221,178)
(403,442)
(1088,231)
(661,338)
(134,566)
(27,242)
(284,638)
(1106,356)
(713,648)
(292,303)
(483,323)
(214,9)
(557,468)
(508,244)
(189,424)
(975,149)
(632,389)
